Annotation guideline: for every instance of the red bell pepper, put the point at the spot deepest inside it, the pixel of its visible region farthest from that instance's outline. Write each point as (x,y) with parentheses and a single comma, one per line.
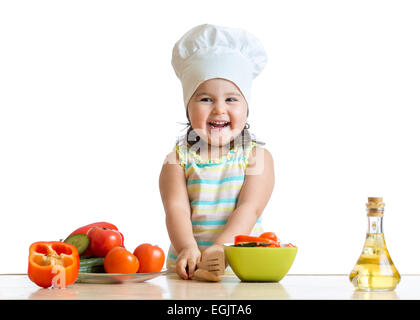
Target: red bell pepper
(252,239)
(53,263)
(86,228)
(269,235)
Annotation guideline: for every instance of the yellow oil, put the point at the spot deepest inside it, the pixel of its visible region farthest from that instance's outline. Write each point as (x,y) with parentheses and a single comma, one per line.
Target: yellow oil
(375,271)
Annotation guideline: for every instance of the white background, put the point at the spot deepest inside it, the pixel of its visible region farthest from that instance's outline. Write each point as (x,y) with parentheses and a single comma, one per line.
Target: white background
(89,105)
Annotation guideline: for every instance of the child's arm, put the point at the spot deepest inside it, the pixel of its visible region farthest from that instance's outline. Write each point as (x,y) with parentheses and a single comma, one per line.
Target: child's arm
(176,203)
(254,196)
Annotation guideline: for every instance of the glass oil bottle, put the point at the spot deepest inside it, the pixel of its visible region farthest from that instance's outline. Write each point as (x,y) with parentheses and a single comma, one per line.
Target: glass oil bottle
(375,271)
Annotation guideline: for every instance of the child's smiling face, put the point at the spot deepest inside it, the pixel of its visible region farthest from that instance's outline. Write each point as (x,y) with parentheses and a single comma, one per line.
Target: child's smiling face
(217,111)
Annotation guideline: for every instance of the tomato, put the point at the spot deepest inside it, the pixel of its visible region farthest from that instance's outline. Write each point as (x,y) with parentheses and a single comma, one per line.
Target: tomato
(86,228)
(102,240)
(53,263)
(151,258)
(269,235)
(120,260)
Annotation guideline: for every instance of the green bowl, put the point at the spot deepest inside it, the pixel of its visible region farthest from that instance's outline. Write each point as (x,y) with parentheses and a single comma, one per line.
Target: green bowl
(260,264)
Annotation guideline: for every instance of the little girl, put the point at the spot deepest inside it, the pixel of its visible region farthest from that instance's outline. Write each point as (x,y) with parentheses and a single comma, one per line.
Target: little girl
(218,179)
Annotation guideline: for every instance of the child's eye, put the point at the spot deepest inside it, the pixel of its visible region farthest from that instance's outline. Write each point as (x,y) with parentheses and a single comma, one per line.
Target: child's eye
(231,99)
(206,99)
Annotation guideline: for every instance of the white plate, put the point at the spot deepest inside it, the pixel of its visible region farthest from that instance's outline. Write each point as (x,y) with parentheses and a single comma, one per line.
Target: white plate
(117,277)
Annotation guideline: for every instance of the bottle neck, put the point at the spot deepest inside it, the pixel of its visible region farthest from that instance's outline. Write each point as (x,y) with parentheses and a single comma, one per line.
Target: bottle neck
(375,225)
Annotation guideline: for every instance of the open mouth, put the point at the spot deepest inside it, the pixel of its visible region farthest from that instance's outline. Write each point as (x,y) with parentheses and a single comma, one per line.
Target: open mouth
(218,124)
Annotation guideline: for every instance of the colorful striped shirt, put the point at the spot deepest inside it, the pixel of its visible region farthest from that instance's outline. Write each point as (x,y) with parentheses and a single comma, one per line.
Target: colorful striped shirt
(213,188)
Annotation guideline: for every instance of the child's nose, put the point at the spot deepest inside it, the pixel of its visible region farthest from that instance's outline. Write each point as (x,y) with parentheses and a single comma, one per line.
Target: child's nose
(219,107)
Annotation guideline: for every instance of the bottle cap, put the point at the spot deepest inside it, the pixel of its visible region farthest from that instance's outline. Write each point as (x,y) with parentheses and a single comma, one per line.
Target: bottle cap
(375,207)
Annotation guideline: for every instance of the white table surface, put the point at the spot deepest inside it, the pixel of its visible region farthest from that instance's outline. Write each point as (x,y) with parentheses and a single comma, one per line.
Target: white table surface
(306,287)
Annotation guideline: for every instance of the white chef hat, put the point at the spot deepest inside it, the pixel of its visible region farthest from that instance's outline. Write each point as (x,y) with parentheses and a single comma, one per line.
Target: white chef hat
(208,51)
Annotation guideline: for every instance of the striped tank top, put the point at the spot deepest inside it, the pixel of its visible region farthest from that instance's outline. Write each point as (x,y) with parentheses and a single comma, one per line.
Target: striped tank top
(213,188)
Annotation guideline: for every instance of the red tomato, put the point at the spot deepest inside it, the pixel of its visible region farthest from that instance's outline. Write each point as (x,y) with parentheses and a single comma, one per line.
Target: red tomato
(151,258)
(120,260)
(102,240)
(269,235)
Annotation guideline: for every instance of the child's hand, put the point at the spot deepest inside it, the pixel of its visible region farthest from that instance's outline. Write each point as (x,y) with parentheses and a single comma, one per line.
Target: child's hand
(187,262)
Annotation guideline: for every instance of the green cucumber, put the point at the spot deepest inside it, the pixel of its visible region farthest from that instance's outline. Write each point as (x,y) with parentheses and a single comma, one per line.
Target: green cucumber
(92,265)
(79,240)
